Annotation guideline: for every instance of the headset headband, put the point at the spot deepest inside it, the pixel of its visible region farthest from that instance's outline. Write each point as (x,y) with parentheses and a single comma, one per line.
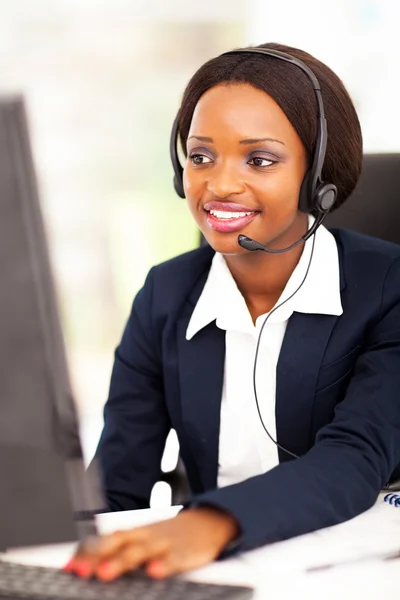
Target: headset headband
(311,198)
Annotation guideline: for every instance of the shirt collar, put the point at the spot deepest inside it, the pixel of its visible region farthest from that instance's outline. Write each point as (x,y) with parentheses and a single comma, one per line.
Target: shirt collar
(222,301)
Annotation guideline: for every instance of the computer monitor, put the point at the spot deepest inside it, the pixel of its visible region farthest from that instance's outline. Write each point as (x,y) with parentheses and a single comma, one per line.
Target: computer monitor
(45,494)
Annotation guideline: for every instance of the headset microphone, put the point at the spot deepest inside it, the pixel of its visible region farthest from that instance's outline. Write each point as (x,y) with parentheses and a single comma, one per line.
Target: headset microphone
(252,245)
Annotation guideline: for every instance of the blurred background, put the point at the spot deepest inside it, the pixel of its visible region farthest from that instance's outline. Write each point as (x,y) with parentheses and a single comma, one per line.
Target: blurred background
(102,82)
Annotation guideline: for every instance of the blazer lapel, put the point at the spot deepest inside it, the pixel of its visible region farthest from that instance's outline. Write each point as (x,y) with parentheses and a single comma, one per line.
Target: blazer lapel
(299,362)
(201,367)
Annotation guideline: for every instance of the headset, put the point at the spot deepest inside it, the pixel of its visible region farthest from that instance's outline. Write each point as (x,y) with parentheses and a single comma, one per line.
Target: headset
(316,196)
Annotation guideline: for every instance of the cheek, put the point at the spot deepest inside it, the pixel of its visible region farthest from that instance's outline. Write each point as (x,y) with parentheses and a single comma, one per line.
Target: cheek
(279,193)
(193,209)
(192,180)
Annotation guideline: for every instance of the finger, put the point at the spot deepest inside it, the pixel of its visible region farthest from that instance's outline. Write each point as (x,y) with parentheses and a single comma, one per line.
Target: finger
(94,550)
(96,545)
(130,558)
(113,542)
(176,562)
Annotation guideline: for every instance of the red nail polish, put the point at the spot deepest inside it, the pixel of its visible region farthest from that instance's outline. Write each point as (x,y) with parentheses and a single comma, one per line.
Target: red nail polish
(83,568)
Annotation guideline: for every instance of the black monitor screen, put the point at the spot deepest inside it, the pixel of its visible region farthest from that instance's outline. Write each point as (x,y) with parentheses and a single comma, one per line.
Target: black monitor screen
(43,486)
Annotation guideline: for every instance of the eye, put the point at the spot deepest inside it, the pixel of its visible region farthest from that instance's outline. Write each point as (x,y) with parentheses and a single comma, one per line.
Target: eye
(258,161)
(199,159)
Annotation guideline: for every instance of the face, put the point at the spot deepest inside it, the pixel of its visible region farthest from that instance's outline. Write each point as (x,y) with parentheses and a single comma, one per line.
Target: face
(244,169)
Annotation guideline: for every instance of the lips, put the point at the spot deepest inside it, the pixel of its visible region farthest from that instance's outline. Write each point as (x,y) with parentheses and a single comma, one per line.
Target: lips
(228,206)
(228,217)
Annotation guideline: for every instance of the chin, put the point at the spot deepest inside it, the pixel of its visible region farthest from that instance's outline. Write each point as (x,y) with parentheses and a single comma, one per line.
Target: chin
(225,244)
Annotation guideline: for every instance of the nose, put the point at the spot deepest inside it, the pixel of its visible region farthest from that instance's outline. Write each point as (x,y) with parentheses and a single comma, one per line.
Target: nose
(225,181)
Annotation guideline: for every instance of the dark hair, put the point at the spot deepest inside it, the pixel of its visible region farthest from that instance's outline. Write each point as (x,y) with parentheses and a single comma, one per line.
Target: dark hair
(293,91)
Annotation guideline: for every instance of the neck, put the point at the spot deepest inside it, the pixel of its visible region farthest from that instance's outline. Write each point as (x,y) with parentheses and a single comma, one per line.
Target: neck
(262,277)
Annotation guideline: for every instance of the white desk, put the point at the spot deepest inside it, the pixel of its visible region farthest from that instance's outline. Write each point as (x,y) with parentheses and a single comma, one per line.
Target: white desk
(278,571)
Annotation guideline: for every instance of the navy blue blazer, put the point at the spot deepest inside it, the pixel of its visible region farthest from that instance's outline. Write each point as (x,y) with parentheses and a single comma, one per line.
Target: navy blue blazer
(337,398)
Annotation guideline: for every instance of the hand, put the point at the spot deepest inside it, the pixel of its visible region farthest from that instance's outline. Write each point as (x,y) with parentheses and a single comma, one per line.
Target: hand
(195,537)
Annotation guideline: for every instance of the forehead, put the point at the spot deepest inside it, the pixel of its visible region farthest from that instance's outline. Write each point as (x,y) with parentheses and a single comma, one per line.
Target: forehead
(239,108)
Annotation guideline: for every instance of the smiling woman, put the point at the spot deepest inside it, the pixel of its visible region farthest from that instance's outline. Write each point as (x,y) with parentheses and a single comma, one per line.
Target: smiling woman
(272,143)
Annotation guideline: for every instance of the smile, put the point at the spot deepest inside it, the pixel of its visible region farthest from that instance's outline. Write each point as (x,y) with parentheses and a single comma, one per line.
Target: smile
(224,214)
(226,221)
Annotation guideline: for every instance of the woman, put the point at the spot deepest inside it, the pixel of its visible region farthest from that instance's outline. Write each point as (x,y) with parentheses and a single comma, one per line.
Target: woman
(327,369)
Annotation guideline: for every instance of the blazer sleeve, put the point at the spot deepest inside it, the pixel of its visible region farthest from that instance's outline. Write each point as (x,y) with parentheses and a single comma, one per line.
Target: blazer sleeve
(135,415)
(352,459)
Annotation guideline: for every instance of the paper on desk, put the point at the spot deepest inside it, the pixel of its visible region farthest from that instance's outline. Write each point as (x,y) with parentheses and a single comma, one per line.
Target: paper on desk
(376,531)
(53,555)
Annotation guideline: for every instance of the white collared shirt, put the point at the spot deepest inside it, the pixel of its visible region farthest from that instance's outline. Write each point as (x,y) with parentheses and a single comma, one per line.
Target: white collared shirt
(245,450)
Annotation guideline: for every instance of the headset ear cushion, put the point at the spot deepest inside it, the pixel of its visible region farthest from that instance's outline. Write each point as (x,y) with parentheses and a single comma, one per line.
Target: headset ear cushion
(325,197)
(178,185)
(304,196)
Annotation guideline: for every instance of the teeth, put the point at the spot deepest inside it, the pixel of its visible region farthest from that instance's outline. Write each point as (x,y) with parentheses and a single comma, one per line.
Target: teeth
(224,214)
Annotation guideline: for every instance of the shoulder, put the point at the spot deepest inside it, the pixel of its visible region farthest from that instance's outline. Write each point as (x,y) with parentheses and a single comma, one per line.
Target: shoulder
(185,266)
(359,253)
(174,281)
(352,244)
(369,266)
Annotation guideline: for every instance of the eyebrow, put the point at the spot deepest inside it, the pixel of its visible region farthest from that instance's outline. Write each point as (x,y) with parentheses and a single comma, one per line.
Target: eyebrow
(248,141)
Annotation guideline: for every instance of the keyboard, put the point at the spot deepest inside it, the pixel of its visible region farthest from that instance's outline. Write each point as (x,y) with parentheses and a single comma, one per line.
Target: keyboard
(43,583)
